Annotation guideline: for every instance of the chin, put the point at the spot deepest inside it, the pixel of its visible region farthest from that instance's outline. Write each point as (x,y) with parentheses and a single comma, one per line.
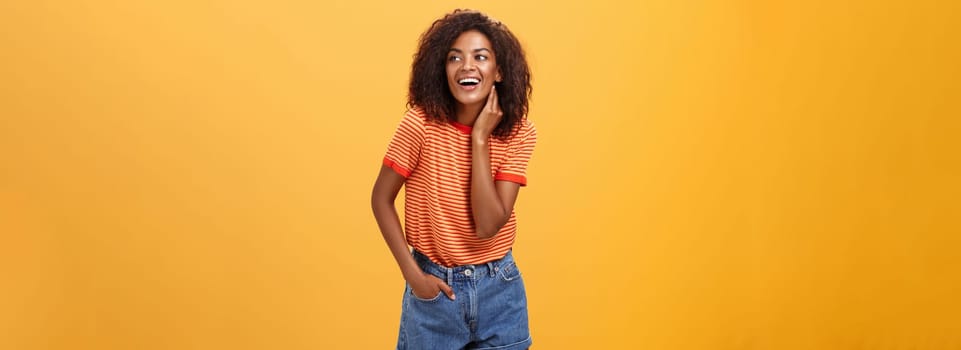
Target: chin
(471,99)
(468,101)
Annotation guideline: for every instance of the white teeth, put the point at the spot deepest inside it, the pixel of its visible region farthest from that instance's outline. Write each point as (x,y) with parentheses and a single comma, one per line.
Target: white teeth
(469,81)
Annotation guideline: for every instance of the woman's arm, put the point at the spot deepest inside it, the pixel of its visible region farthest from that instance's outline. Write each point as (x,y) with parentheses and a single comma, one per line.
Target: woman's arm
(491,202)
(382,199)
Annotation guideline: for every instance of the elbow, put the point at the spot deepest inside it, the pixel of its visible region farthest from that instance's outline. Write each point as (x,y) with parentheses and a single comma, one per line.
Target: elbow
(489,230)
(486,233)
(487,223)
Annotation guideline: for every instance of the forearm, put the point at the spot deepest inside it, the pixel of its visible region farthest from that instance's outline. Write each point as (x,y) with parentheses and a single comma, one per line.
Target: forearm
(390,229)
(382,203)
(486,205)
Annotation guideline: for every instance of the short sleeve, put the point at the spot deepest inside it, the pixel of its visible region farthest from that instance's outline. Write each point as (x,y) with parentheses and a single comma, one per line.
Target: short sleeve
(404,149)
(519,152)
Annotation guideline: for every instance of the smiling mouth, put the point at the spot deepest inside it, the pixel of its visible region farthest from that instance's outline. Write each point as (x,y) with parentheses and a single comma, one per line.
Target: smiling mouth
(468,81)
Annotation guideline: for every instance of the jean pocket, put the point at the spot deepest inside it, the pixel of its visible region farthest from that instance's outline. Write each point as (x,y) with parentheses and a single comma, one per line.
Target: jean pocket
(415,297)
(509,272)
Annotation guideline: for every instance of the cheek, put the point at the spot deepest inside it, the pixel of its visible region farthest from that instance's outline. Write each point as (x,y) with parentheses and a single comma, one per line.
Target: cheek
(451,70)
(492,71)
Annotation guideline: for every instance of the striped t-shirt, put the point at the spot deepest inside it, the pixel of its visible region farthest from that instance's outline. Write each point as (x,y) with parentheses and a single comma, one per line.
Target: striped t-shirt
(436,160)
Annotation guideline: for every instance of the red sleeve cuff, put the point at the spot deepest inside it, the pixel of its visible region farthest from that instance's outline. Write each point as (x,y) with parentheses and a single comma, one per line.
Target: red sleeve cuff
(511,177)
(399,169)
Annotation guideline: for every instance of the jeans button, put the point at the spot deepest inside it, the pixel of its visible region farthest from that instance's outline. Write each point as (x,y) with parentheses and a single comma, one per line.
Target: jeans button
(467,273)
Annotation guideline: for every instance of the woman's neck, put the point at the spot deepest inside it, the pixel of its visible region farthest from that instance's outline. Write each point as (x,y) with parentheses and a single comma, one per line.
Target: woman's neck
(468,114)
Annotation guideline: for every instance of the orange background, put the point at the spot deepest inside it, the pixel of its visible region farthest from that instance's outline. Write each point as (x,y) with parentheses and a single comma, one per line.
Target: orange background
(709,175)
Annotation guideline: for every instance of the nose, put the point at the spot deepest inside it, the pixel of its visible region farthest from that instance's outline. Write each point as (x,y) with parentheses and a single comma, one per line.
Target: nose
(469,65)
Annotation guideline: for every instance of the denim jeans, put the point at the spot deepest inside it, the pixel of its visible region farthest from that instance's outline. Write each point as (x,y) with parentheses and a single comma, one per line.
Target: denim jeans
(490,311)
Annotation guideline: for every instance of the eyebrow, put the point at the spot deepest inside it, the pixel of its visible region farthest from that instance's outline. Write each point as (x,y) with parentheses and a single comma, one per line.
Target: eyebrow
(475,50)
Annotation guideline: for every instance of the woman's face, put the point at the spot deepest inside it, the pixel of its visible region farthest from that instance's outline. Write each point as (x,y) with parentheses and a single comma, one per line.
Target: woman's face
(471,69)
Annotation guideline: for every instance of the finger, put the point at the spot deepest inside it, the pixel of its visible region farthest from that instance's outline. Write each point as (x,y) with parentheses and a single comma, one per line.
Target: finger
(495,106)
(447,290)
(491,96)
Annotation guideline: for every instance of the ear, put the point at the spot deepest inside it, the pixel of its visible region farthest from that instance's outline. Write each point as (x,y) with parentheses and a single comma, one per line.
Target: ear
(497,77)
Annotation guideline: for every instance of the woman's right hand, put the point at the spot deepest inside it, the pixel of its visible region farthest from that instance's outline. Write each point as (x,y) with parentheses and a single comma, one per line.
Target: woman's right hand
(429,286)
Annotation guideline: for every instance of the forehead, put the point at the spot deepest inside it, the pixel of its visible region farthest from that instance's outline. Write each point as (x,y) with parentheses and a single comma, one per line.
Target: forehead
(471,40)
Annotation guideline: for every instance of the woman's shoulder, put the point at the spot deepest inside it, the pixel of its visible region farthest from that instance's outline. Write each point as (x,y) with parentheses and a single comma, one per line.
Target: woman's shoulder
(527,124)
(415,117)
(421,115)
(415,112)
(524,129)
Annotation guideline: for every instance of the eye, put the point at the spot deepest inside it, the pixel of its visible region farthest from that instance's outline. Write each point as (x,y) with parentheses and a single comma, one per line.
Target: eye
(453,59)
(481,58)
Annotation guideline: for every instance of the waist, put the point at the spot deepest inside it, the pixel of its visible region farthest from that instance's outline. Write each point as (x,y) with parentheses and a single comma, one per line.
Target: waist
(462,272)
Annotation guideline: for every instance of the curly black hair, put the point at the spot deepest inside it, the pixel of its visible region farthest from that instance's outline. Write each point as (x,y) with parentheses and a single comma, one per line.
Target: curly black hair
(428,80)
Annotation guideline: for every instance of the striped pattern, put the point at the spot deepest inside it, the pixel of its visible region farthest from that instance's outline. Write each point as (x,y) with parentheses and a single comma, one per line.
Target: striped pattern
(436,160)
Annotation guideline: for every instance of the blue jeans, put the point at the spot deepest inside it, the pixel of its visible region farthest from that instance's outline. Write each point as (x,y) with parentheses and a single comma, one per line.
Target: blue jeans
(490,311)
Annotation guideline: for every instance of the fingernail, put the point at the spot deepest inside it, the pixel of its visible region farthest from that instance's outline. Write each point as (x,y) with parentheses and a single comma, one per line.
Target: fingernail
(453,297)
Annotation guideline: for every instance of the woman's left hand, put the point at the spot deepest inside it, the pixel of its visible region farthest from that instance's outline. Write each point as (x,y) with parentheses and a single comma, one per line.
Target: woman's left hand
(489,117)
